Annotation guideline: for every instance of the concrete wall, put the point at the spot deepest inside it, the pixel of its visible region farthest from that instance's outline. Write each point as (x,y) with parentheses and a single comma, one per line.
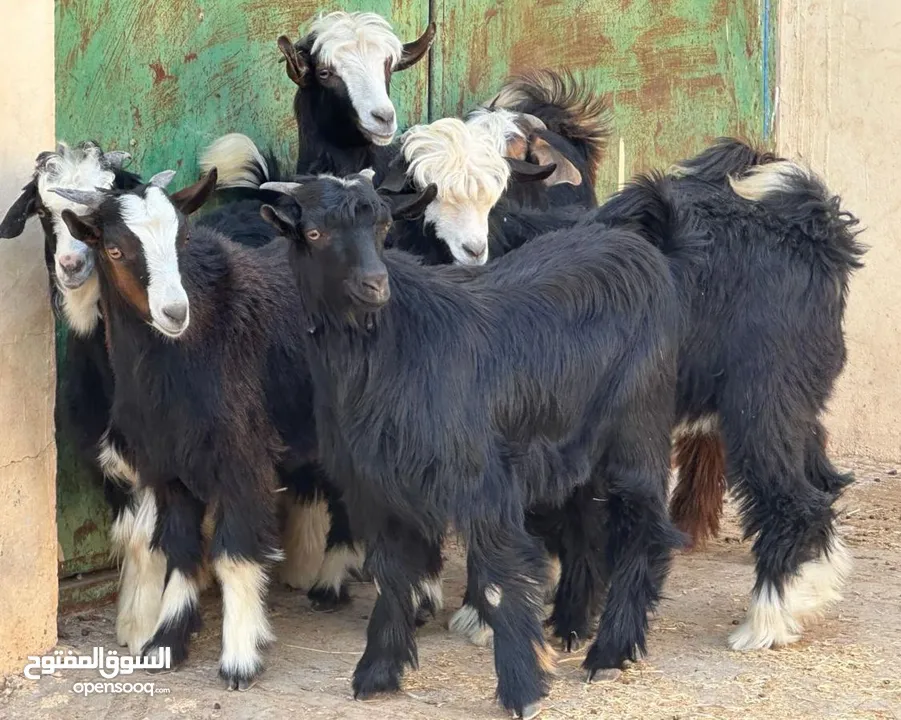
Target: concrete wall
(839,108)
(28,586)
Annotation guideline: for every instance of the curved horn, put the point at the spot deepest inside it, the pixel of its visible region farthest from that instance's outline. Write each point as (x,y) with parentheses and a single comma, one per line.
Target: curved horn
(162,179)
(282,187)
(532,122)
(115,159)
(414,51)
(88,198)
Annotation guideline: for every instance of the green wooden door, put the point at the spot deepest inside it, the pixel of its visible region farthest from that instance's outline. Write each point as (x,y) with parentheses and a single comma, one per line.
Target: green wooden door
(162,78)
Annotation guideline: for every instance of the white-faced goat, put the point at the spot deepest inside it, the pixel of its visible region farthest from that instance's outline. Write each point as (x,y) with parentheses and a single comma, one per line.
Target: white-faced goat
(342,70)
(464,395)
(86,393)
(549,118)
(211,398)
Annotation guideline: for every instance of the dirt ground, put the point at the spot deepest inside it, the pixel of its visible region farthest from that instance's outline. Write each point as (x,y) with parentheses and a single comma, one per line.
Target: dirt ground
(845,667)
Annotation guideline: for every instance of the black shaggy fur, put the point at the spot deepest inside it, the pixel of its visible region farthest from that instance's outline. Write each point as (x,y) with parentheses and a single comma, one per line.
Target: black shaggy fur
(474,393)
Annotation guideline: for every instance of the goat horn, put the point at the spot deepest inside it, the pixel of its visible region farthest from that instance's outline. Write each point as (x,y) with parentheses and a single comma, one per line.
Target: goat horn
(88,198)
(283,187)
(116,158)
(367,173)
(162,179)
(534,123)
(413,51)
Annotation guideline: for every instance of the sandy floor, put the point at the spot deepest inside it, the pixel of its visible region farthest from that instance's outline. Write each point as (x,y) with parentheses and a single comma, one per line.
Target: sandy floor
(845,667)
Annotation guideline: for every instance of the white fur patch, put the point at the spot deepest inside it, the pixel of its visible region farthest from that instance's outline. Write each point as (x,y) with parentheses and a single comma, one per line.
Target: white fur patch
(79,168)
(705,425)
(493,595)
(768,623)
(153,220)
(357,46)
(762,180)
(245,626)
(470,174)
(303,537)
(179,598)
(467,623)
(819,582)
(336,565)
(232,155)
(113,465)
(429,589)
(500,125)
(141,579)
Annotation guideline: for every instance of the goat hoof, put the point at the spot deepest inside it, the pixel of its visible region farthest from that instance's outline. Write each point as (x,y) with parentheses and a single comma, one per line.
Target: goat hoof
(573,643)
(373,679)
(241,683)
(608,675)
(327,599)
(605,663)
(528,712)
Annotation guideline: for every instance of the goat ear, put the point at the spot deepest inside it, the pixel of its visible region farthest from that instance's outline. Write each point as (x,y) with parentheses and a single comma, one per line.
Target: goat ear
(416,50)
(23,208)
(522,171)
(82,228)
(547,154)
(411,205)
(280,219)
(296,65)
(395,179)
(192,198)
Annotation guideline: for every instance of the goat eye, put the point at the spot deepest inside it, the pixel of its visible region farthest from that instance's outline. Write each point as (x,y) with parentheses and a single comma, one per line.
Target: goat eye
(324,73)
(313,235)
(114,253)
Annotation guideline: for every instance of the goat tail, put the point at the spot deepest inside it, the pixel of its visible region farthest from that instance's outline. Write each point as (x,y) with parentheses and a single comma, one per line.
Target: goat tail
(726,158)
(239,162)
(566,105)
(696,505)
(798,198)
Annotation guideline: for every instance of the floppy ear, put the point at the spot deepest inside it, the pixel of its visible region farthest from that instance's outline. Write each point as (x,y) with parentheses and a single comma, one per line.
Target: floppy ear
(522,171)
(411,205)
(416,50)
(546,154)
(281,219)
(296,65)
(395,179)
(192,198)
(23,208)
(82,228)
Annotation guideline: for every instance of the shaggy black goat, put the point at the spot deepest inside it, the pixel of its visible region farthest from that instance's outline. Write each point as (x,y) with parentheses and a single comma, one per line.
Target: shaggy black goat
(206,348)
(342,70)
(474,393)
(546,117)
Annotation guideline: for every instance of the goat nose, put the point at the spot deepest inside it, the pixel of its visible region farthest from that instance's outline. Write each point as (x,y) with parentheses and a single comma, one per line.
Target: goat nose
(176,312)
(474,251)
(384,115)
(71,263)
(376,284)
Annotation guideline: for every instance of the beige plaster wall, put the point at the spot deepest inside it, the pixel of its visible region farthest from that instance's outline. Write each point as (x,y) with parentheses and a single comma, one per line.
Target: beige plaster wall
(28,546)
(839,109)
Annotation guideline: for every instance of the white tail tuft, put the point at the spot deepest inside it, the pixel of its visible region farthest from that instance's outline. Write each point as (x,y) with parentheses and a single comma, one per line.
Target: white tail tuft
(238,161)
(762,180)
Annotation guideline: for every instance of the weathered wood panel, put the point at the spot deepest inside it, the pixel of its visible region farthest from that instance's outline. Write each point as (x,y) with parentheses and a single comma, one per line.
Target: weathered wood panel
(161,79)
(678,72)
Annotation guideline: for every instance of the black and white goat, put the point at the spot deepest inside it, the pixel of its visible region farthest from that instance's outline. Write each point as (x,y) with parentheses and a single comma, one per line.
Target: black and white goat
(464,395)
(342,69)
(549,118)
(85,390)
(203,338)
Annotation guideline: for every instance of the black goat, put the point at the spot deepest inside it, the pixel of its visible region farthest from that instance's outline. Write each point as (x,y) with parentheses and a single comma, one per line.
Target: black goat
(546,117)
(210,389)
(342,70)
(474,393)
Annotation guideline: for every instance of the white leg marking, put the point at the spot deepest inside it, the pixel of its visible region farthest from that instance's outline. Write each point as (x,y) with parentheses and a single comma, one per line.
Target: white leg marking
(819,582)
(113,464)
(120,538)
(466,622)
(336,565)
(142,577)
(306,527)
(768,623)
(245,626)
(179,598)
(429,589)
